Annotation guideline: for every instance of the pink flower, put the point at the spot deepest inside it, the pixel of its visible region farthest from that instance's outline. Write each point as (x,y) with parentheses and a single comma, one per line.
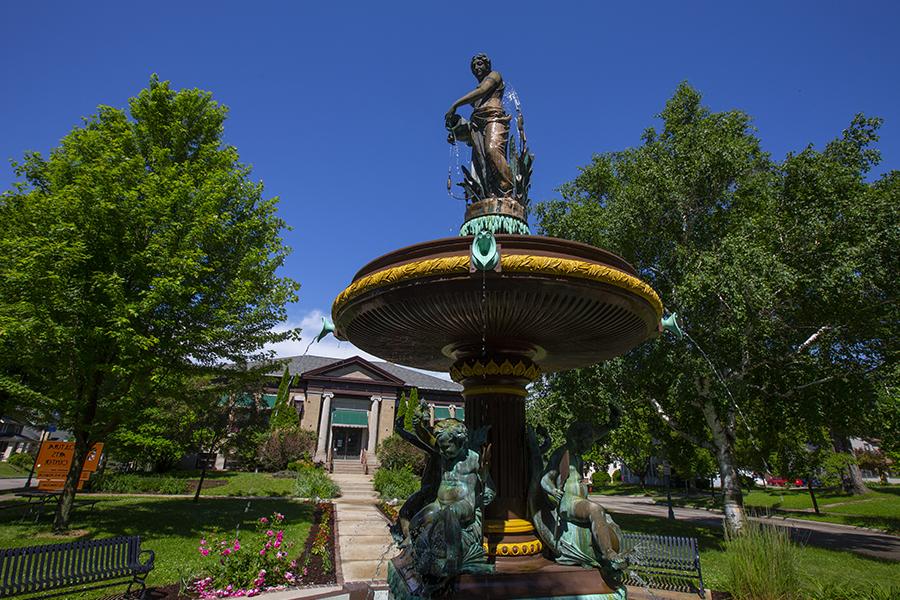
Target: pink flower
(237,545)
(204,551)
(289,576)
(262,552)
(270,533)
(226,552)
(277,543)
(264,520)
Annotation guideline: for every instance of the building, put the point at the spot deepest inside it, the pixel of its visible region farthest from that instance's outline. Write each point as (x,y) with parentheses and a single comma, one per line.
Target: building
(350,403)
(17,436)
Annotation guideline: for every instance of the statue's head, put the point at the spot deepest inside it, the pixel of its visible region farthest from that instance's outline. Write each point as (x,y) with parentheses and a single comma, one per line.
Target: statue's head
(480,65)
(452,437)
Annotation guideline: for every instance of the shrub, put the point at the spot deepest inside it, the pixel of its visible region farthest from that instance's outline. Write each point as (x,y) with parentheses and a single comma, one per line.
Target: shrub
(616,476)
(21,460)
(237,568)
(299,465)
(600,478)
(762,563)
(313,482)
(395,453)
(133,483)
(285,445)
(396,483)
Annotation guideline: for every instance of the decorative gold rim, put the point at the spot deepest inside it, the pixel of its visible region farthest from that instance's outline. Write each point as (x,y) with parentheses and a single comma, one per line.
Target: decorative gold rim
(483,390)
(477,368)
(516,263)
(514,549)
(508,526)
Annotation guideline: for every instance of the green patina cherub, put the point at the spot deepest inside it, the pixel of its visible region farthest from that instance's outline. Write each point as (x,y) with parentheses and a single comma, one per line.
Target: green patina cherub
(575,530)
(440,526)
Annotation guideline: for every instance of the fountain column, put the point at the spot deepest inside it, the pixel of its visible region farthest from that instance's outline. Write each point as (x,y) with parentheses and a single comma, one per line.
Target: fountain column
(494,389)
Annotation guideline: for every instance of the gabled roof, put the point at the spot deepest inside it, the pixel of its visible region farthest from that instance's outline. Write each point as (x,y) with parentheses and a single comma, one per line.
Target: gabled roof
(307,364)
(360,362)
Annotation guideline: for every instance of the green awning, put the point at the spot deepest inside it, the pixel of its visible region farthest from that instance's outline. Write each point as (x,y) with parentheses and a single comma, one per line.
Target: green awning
(349,418)
(461,413)
(441,412)
(270,399)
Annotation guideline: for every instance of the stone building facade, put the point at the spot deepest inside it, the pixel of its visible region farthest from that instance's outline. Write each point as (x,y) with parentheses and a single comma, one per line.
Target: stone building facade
(350,403)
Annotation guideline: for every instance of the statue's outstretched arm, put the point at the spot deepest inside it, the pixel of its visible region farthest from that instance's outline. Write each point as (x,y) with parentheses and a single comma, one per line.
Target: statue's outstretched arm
(484,88)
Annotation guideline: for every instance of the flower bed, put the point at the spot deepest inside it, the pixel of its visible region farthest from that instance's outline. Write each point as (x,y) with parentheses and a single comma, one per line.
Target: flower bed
(254,562)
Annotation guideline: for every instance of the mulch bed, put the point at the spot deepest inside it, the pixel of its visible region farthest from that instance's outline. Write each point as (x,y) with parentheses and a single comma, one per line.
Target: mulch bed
(317,572)
(207,484)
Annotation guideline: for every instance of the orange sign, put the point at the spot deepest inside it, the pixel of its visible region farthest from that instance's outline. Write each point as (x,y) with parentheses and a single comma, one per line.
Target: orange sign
(53,462)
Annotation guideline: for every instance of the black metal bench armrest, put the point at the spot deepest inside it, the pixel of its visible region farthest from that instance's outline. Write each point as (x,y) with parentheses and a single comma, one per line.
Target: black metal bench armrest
(148,564)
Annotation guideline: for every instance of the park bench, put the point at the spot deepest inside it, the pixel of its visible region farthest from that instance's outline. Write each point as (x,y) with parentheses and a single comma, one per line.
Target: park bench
(663,562)
(83,563)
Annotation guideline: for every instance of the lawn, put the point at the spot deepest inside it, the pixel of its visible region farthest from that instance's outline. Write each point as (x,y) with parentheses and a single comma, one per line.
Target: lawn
(8,470)
(820,566)
(171,527)
(248,484)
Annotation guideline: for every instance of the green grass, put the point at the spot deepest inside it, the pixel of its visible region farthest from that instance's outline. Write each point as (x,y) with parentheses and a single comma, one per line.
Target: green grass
(8,470)
(249,484)
(171,527)
(819,566)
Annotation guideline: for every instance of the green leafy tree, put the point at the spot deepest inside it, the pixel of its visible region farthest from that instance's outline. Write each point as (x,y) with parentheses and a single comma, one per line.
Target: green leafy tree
(138,248)
(779,273)
(412,404)
(284,415)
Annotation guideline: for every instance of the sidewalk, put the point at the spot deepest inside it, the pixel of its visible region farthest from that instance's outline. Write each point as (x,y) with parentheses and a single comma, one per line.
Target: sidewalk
(364,544)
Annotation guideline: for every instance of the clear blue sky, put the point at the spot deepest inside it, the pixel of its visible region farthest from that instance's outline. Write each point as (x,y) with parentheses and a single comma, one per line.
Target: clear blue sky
(339,106)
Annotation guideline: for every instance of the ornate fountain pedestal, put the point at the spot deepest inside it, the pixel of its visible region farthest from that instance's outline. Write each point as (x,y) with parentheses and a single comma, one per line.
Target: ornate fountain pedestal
(549,305)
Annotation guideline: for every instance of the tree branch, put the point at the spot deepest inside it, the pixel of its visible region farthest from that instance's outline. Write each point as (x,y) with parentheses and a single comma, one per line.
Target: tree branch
(673,425)
(811,339)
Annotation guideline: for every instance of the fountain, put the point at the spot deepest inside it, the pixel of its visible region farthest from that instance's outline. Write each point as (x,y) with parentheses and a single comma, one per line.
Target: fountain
(496,308)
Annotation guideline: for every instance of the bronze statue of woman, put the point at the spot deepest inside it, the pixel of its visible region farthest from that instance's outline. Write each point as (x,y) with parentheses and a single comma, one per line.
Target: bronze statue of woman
(488,131)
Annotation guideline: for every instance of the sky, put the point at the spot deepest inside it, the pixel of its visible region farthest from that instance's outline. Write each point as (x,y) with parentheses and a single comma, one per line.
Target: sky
(339,106)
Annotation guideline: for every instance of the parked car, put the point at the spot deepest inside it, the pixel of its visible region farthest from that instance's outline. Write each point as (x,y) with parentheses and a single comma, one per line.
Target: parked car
(776,481)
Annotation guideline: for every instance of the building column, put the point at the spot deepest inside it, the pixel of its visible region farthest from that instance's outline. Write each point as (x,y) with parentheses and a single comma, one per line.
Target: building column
(373,425)
(324,427)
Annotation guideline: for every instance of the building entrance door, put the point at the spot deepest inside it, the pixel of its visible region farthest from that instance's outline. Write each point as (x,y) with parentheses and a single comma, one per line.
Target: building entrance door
(346,442)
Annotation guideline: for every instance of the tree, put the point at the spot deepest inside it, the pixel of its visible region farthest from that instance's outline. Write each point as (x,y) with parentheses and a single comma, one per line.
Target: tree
(766,264)
(284,415)
(137,249)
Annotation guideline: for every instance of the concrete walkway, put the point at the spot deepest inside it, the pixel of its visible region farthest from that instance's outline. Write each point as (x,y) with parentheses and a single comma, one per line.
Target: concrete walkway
(815,533)
(364,543)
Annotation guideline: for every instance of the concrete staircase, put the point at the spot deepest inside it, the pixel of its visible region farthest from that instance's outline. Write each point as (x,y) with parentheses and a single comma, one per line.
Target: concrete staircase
(349,466)
(364,542)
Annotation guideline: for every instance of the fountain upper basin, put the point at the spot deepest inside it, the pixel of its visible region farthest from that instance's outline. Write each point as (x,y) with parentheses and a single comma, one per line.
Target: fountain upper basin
(561,303)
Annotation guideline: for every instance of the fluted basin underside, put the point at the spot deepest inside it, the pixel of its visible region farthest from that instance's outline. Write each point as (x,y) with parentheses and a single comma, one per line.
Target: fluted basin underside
(562,303)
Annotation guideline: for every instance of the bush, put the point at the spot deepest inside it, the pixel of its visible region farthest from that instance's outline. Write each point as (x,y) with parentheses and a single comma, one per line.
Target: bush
(285,445)
(256,562)
(616,476)
(21,460)
(313,482)
(395,454)
(600,479)
(133,483)
(299,465)
(762,563)
(396,483)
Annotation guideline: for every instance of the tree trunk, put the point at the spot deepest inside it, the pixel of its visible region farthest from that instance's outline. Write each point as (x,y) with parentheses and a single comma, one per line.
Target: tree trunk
(67,499)
(812,494)
(200,485)
(723,441)
(855,483)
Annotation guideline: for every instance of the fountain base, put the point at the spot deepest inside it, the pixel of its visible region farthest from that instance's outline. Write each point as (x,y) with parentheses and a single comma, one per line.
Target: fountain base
(531,578)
